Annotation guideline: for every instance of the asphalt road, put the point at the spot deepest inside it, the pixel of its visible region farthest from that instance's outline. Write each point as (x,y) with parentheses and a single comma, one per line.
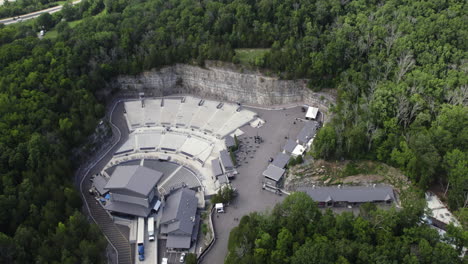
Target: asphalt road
(119,243)
(20,18)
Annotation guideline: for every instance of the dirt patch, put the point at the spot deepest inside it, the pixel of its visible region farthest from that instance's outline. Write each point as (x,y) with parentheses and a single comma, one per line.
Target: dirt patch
(358,179)
(325,173)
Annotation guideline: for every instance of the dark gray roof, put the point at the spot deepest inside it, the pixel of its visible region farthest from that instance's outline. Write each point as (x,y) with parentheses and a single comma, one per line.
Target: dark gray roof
(111,170)
(165,167)
(196,227)
(281,160)
(127,208)
(99,183)
(226,159)
(307,132)
(135,178)
(223,179)
(290,146)
(174,241)
(273,172)
(229,141)
(179,211)
(352,194)
(216,167)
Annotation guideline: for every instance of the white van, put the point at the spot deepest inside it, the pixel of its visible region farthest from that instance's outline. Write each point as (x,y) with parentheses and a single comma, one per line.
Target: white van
(219,208)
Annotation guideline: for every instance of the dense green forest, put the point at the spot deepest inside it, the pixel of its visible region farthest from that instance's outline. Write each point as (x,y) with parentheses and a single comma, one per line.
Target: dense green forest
(399,68)
(297,232)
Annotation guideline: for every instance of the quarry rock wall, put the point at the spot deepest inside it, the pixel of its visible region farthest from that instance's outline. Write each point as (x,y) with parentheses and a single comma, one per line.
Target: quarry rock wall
(223,83)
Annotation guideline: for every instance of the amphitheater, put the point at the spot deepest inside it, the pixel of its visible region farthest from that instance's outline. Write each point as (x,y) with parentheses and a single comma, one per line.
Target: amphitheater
(180,137)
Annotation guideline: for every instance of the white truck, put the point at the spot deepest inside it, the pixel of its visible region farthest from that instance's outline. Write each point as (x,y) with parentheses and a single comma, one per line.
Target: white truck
(141,238)
(219,208)
(151,228)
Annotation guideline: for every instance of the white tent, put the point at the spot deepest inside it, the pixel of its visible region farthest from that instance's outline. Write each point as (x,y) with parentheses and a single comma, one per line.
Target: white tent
(298,150)
(311,113)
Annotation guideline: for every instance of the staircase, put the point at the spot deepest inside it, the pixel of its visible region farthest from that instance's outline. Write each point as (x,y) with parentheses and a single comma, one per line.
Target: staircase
(108,228)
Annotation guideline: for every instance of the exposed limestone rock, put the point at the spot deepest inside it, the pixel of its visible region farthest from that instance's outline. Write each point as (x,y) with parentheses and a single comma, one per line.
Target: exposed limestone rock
(224,83)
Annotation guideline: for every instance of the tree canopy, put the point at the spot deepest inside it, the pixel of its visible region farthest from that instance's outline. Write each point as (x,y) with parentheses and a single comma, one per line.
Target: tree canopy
(399,67)
(297,232)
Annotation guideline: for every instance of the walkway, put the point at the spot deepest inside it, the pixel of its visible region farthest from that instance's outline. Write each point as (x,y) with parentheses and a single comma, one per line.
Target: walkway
(110,230)
(99,215)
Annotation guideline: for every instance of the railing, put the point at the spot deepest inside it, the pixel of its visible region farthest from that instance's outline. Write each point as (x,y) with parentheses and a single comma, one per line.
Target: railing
(213,240)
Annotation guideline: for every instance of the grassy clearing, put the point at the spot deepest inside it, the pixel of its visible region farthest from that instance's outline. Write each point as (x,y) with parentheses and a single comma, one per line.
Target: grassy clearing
(72,24)
(51,34)
(248,56)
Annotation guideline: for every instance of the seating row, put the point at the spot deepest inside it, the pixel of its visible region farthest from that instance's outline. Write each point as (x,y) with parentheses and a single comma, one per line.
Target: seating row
(219,119)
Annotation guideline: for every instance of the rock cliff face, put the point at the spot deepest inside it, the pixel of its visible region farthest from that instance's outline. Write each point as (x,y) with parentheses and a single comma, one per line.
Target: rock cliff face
(224,83)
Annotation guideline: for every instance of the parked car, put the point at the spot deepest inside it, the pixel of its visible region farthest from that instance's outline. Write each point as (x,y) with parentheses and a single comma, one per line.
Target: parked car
(182,258)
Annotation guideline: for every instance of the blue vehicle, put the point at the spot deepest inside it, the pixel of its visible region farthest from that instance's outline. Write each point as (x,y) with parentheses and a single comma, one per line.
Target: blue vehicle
(141,238)
(141,252)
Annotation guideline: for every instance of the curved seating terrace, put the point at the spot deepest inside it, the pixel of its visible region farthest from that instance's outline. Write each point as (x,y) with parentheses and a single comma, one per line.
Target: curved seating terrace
(188,129)
(218,119)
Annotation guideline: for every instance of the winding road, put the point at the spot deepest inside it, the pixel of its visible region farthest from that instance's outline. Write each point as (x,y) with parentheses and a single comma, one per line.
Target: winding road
(20,18)
(98,214)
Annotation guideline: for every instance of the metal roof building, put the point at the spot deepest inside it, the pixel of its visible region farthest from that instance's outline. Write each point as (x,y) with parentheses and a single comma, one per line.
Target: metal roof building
(289,146)
(127,208)
(226,160)
(134,180)
(216,168)
(99,183)
(229,141)
(281,160)
(132,190)
(179,218)
(274,173)
(307,132)
(350,194)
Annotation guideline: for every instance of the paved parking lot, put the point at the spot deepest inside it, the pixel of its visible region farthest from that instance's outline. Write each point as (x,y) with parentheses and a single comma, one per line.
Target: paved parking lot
(279,125)
(150,252)
(171,257)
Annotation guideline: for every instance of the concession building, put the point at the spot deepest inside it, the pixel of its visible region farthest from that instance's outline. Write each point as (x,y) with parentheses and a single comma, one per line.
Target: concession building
(349,195)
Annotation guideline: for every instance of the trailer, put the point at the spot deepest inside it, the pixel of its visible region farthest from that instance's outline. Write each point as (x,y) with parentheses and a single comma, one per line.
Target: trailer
(151,228)
(141,238)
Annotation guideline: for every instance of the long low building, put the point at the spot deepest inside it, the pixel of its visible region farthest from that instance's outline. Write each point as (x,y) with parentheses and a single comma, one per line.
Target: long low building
(281,160)
(307,132)
(349,195)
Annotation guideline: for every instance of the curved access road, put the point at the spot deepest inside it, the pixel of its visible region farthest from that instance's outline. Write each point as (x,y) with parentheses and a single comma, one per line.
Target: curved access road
(16,19)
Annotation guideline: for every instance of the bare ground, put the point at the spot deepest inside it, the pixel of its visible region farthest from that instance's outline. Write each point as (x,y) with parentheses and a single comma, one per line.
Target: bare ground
(324,173)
